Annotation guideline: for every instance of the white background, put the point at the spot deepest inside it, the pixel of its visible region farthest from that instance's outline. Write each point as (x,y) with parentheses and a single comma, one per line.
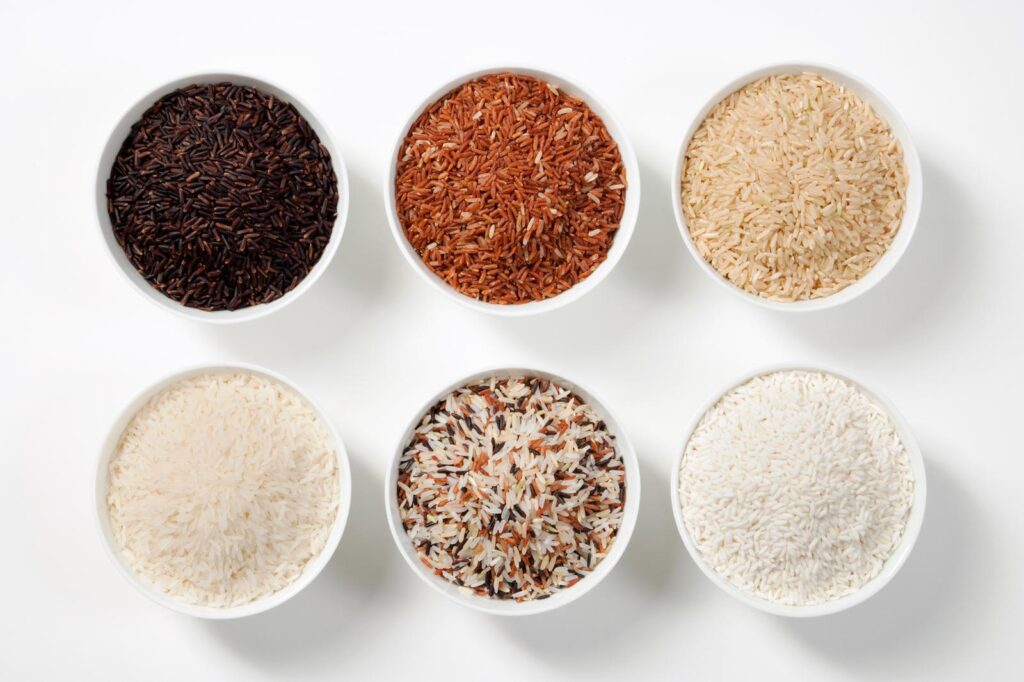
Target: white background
(941,337)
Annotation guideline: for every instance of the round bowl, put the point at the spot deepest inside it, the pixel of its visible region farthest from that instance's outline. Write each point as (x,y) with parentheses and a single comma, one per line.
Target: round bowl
(510,607)
(113,146)
(911,211)
(892,565)
(312,569)
(622,237)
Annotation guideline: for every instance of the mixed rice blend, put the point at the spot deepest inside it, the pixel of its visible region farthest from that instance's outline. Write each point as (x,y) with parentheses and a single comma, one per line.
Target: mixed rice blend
(512,488)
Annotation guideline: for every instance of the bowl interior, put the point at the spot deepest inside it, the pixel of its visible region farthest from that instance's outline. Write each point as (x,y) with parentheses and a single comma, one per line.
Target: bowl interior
(914,192)
(892,564)
(113,549)
(630,211)
(510,607)
(139,283)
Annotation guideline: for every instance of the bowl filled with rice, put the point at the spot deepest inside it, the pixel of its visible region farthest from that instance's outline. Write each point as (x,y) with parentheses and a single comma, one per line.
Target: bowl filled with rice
(220,197)
(799,491)
(513,492)
(797,187)
(222,491)
(512,190)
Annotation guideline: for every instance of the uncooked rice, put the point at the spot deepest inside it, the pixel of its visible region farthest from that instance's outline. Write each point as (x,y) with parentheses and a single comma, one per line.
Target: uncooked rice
(793,187)
(796,487)
(509,189)
(223,488)
(511,488)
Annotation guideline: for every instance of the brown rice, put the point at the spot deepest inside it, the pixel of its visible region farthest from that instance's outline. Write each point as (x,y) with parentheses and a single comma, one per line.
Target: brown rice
(793,187)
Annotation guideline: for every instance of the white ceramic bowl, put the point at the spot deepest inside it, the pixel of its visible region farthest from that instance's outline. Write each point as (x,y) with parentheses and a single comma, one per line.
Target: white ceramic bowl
(503,607)
(911,212)
(891,566)
(114,551)
(622,236)
(138,282)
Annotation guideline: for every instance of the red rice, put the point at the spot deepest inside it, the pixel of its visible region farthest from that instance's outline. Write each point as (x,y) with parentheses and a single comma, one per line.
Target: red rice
(510,190)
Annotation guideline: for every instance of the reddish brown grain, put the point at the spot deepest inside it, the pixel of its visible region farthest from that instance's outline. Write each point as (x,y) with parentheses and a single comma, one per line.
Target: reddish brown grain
(510,190)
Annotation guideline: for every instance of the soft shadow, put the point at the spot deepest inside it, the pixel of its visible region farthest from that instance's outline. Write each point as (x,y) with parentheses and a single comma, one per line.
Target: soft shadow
(925,288)
(922,613)
(355,283)
(365,554)
(654,570)
(333,613)
(656,561)
(656,261)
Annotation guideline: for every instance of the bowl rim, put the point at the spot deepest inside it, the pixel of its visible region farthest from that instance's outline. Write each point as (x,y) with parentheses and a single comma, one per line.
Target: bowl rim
(899,554)
(627,225)
(101,485)
(501,607)
(112,144)
(914,192)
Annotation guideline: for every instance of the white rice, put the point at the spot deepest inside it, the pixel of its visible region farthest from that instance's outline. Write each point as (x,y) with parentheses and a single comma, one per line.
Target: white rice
(223,488)
(796,487)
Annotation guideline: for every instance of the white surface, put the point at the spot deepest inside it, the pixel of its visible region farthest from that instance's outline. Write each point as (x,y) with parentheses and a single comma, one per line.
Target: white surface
(941,337)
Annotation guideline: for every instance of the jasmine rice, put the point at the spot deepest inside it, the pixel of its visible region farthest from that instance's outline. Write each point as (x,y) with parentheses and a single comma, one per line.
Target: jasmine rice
(223,488)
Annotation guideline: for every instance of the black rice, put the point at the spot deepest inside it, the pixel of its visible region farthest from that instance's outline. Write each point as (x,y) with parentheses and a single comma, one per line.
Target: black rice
(222,196)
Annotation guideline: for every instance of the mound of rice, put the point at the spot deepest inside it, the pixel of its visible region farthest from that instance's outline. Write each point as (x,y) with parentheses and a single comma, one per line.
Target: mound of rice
(795,487)
(793,187)
(223,488)
(512,488)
